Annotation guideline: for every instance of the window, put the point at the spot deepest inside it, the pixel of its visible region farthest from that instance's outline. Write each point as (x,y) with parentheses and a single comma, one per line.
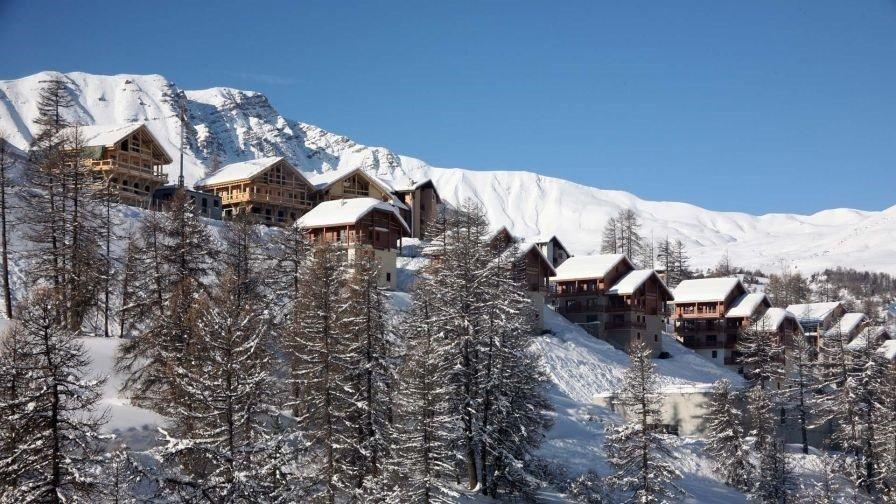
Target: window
(656,337)
(710,339)
(124,144)
(204,202)
(639,336)
(215,203)
(715,354)
(388,277)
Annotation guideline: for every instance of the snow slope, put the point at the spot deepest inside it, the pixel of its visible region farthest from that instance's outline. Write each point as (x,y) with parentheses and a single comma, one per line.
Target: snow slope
(241,125)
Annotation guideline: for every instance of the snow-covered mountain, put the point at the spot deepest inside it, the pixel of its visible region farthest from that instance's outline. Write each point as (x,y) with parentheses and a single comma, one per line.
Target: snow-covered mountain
(240,125)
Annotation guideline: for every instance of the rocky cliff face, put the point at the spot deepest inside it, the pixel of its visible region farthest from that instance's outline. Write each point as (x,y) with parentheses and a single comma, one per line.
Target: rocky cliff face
(239,125)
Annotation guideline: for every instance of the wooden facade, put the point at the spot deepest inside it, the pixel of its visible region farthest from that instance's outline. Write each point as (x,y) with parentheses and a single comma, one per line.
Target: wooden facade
(367,226)
(422,203)
(709,326)
(276,195)
(129,157)
(595,303)
(354,184)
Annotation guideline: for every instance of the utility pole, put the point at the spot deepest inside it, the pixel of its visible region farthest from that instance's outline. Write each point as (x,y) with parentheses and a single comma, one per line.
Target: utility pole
(183,120)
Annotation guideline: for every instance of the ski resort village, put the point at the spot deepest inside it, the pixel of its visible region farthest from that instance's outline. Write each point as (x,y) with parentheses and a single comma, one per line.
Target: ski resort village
(205,302)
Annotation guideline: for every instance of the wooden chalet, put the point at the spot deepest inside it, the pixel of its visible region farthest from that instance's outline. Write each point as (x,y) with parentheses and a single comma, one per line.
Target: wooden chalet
(269,190)
(360,224)
(422,202)
(535,270)
(126,155)
(817,318)
(553,249)
(710,313)
(612,300)
(352,184)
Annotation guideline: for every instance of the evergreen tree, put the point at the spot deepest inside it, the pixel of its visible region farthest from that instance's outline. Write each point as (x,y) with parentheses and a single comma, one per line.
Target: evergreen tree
(179,256)
(512,402)
(622,236)
(800,385)
(761,354)
(6,187)
(725,436)
(636,451)
(50,437)
(771,475)
(427,424)
(220,435)
(368,330)
(321,355)
(682,262)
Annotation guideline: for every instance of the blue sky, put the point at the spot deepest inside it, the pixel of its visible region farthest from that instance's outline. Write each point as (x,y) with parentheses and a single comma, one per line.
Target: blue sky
(759,106)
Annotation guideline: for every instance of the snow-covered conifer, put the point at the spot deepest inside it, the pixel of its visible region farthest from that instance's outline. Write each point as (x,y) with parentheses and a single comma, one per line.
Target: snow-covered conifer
(50,443)
(725,436)
(321,356)
(761,354)
(635,450)
(770,478)
(426,422)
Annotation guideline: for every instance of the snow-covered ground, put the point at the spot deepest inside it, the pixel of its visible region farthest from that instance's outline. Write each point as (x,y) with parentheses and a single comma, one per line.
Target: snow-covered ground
(241,125)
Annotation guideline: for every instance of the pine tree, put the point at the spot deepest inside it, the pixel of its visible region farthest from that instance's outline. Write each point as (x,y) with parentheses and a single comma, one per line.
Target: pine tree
(220,432)
(178,254)
(800,385)
(866,379)
(682,268)
(761,354)
(50,433)
(512,403)
(770,478)
(6,187)
(427,423)
(610,243)
(725,436)
(460,277)
(321,355)
(622,236)
(636,451)
(53,101)
(368,329)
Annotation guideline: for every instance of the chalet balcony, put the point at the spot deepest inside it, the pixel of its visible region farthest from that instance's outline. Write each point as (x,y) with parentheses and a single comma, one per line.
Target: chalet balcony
(271,199)
(127,170)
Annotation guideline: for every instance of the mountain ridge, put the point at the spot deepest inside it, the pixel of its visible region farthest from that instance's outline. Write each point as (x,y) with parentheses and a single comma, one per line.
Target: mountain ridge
(240,125)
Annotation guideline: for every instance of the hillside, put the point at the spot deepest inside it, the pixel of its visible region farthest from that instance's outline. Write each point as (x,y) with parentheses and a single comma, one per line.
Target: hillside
(240,125)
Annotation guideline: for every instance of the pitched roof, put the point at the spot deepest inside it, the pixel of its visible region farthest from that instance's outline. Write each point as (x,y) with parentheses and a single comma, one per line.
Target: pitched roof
(539,240)
(527,246)
(107,135)
(103,135)
(848,323)
(888,350)
(633,280)
(813,311)
(872,332)
(593,266)
(323,181)
(705,289)
(772,319)
(343,212)
(746,305)
(245,170)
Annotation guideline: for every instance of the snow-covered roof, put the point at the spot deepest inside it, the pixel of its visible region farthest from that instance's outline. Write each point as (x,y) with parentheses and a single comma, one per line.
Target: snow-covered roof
(888,349)
(409,184)
(323,181)
(345,212)
(104,135)
(633,280)
(772,319)
(542,239)
(243,170)
(848,323)
(705,289)
(527,245)
(869,333)
(813,311)
(746,305)
(593,266)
